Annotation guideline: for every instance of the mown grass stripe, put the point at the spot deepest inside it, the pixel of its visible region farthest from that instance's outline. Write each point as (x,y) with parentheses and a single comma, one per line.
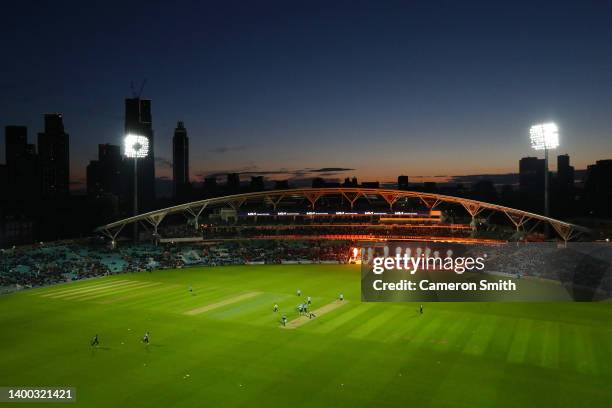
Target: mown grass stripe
(520,341)
(583,356)
(72,285)
(99,290)
(409,324)
(81,287)
(150,292)
(249,311)
(90,290)
(188,301)
(119,291)
(179,296)
(549,356)
(333,324)
(453,334)
(426,329)
(369,326)
(212,306)
(481,337)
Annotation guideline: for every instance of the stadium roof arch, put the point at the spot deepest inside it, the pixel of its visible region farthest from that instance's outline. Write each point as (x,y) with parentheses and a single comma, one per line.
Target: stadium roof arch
(518,218)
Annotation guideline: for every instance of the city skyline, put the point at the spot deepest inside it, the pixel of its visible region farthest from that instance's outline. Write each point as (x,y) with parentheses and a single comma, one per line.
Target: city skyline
(280,91)
(164,169)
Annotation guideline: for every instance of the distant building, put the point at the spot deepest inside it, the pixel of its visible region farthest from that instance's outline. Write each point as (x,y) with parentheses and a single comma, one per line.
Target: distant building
(598,185)
(233,182)
(402,182)
(350,182)
(430,187)
(54,157)
(111,160)
(565,172)
(319,182)
(104,175)
(16,140)
(3,185)
(257,183)
(138,120)
(563,189)
(22,176)
(210,185)
(180,162)
(531,174)
(94,179)
(370,184)
(484,190)
(281,184)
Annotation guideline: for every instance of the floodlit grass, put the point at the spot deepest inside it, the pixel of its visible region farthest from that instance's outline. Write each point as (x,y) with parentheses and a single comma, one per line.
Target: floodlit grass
(234,353)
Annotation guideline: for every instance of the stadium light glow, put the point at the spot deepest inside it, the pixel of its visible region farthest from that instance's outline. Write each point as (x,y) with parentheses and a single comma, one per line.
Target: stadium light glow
(544,136)
(135,146)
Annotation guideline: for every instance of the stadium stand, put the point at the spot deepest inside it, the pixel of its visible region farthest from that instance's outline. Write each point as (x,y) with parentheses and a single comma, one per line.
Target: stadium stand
(45,264)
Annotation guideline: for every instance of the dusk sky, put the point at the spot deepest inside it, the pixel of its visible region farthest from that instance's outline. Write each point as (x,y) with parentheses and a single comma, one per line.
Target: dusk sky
(380,88)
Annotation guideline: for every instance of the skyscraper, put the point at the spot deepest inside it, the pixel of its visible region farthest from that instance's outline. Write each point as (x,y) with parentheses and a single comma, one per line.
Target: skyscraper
(402,182)
(233,183)
(54,157)
(4,184)
(598,187)
(138,121)
(565,172)
(180,161)
(257,183)
(16,140)
(94,179)
(21,172)
(531,174)
(210,186)
(104,174)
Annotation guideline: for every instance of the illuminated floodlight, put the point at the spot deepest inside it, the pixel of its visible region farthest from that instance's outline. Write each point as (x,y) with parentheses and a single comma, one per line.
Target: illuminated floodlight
(544,136)
(135,146)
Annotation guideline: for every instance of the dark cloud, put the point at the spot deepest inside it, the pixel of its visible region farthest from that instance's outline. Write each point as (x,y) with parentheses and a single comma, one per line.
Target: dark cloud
(227,149)
(304,175)
(307,181)
(330,170)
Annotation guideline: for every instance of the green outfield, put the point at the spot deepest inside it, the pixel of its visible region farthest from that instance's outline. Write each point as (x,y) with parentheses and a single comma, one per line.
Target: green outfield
(223,344)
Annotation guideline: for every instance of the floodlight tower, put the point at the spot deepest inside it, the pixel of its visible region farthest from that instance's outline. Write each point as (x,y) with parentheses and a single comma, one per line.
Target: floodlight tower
(135,146)
(545,136)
